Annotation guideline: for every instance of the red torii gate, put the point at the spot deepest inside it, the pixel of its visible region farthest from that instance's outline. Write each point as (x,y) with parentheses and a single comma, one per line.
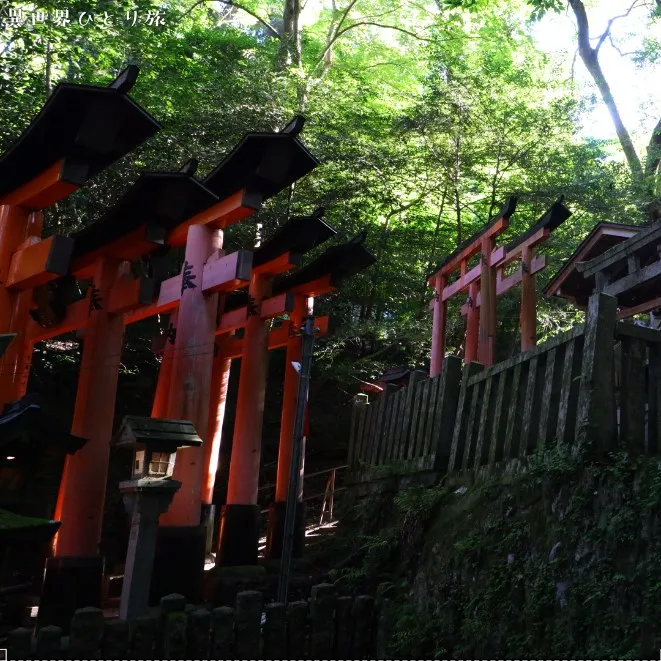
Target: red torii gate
(486,281)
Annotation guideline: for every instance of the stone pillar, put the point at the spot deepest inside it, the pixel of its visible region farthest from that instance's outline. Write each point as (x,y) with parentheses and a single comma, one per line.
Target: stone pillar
(145,500)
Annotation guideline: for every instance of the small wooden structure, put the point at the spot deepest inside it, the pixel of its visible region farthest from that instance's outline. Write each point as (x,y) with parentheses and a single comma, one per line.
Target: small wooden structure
(569,282)
(487,280)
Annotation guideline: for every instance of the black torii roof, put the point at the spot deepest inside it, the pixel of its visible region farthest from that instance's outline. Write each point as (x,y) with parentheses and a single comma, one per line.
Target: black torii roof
(340,262)
(263,162)
(299,234)
(163,199)
(89,127)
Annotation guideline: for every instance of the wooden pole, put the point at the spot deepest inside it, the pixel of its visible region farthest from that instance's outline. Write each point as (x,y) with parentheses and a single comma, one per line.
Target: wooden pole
(239,532)
(190,381)
(160,406)
(472,324)
(219,385)
(17,228)
(487,332)
(438,328)
(82,492)
(528,307)
(303,306)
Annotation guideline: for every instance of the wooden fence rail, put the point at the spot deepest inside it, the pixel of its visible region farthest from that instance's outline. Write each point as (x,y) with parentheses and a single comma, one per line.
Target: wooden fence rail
(327,626)
(599,383)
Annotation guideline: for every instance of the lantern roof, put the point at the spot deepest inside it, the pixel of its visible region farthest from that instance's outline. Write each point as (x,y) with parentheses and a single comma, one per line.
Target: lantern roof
(159,434)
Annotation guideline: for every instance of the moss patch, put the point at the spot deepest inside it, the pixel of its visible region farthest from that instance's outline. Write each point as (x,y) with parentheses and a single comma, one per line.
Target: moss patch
(11,521)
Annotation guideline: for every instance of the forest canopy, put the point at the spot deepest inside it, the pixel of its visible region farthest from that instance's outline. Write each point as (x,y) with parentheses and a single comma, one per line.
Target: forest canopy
(426,116)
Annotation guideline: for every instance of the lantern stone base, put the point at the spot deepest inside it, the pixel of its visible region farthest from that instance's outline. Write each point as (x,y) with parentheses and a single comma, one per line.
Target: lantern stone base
(275,531)
(70,582)
(145,500)
(179,563)
(239,536)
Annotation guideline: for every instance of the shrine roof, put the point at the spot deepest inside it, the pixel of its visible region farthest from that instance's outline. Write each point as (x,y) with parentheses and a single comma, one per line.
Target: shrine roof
(162,199)
(24,421)
(261,162)
(568,282)
(299,234)
(87,126)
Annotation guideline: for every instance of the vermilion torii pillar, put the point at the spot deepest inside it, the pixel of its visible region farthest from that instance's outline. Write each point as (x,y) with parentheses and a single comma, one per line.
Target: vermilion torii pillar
(303,307)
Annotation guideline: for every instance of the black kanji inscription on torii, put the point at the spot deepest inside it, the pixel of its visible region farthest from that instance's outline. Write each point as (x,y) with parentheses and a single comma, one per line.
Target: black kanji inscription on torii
(95,299)
(253,308)
(187,278)
(171,334)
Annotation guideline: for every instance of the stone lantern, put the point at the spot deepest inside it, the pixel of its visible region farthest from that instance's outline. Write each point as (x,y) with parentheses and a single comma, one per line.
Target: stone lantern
(147,495)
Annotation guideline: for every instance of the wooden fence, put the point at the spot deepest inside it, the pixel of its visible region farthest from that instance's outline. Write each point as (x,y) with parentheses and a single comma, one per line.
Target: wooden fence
(327,626)
(599,383)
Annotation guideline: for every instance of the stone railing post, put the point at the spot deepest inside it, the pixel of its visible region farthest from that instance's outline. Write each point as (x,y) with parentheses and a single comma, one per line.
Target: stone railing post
(86,633)
(222,638)
(248,625)
(322,621)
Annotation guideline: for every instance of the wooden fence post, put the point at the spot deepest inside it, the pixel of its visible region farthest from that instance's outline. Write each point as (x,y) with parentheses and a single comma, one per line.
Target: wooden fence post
(459,439)
(654,400)
(633,395)
(445,412)
(248,624)
(596,415)
(404,440)
(356,431)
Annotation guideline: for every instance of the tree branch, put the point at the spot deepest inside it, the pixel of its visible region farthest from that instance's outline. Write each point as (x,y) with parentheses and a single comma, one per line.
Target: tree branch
(590,58)
(607,32)
(231,3)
